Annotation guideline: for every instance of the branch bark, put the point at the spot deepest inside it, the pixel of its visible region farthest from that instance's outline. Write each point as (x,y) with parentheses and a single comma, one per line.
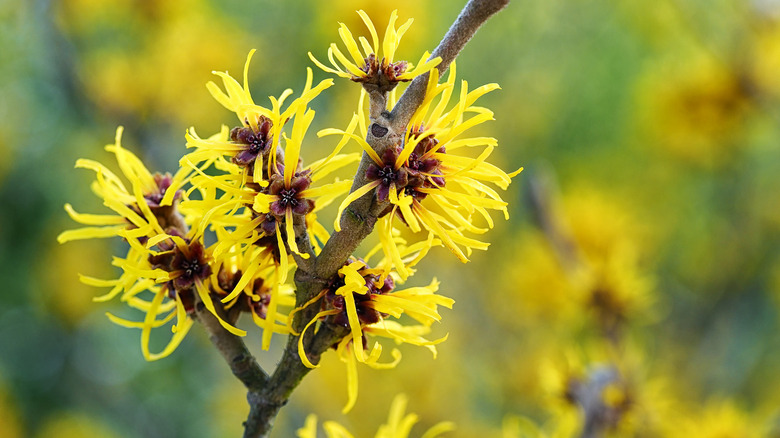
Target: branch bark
(233,349)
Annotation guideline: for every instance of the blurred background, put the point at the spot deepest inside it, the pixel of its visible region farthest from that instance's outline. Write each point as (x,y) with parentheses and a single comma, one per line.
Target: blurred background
(643,239)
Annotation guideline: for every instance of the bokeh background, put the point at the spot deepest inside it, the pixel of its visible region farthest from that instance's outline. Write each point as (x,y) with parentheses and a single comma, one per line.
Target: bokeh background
(643,235)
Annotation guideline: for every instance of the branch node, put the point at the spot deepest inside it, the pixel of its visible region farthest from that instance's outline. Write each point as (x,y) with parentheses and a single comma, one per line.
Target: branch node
(378,130)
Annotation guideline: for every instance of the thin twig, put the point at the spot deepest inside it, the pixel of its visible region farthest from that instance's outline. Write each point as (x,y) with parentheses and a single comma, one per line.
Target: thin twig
(542,192)
(598,415)
(233,349)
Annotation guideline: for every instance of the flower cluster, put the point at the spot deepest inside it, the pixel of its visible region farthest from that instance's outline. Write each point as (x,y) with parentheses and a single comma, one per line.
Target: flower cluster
(166,257)
(429,184)
(366,301)
(248,190)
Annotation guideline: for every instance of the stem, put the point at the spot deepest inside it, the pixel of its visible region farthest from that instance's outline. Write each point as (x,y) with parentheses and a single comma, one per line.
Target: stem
(377,104)
(233,349)
(588,394)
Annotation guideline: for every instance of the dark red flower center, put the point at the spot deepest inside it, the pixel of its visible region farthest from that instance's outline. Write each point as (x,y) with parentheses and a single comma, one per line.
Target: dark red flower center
(365,312)
(288,198)
(190,268)
(387,174)
(256,144)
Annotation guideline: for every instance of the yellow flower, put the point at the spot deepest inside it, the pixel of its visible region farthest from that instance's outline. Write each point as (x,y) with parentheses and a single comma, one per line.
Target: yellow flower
(165,257)
(140,212)
(262,202)
(429,185)
(595,276)
(609,279)
(250,280)
(363,299)
(366,66)
(263,191)
(261,128)
(399,425)
(616,290)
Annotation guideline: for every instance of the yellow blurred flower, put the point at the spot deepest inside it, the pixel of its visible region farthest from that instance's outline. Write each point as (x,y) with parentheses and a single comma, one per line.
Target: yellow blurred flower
(12,426)
(718,419)
(74,425)
(696,110)
(617,291)
(398,425)
(599,274)
(158,54)
(610,391)
(610,281)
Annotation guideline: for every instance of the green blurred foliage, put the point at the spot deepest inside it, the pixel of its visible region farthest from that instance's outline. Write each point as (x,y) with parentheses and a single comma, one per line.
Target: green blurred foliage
(654,130)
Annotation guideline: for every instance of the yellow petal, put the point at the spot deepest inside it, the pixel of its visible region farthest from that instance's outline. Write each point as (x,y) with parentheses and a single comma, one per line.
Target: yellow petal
(349,41)
(205,297)
(94,219)
(354,325)
(350,199)
(283,262)
(352,376)
(438,429)
(309,429)
(352,68)
(371,30)
(270,316)
(90,233)
(389,43)
(148,323)
(301,350)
